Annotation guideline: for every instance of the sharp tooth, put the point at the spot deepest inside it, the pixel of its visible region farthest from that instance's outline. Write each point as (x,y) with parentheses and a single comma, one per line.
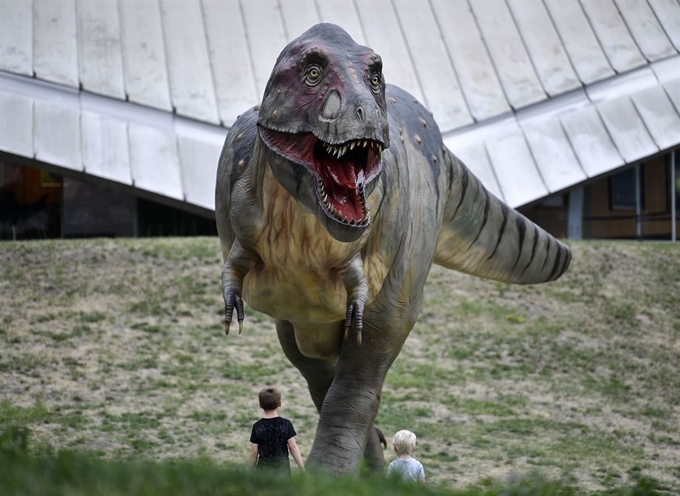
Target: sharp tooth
(365,143)
(352,145)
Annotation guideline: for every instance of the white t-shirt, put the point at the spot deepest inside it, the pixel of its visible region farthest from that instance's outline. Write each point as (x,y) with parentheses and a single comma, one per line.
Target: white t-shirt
(407,469)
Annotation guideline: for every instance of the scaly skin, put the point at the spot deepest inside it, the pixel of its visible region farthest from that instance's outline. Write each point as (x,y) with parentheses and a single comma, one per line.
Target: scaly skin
(326,244)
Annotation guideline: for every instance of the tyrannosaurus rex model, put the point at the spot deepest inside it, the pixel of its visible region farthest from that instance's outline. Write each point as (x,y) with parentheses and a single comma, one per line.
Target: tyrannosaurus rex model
(333,200)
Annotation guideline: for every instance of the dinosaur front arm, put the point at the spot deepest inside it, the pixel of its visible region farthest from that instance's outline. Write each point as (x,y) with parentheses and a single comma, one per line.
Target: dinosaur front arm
(238,264)
(355,283)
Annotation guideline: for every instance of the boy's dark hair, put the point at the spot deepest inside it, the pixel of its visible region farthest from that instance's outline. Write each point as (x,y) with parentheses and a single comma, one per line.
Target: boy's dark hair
(269,398)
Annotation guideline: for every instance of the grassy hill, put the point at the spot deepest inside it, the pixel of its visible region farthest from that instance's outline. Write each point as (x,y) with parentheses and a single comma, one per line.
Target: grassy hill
(115,348)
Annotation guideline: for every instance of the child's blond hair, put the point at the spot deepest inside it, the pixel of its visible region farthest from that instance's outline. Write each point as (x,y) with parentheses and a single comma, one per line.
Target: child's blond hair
(404,442)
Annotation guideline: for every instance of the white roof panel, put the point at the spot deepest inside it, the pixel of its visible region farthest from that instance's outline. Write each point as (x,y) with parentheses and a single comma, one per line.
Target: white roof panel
(384,35)
(476,158)
(508,53)
(100,57)
(57,134)
(611,31)
(553,154)
(545,46)
(579,40)
(476,73)
(518,177)
(442,93)
(154,162)
(55,42)
(191,80)
(298,17)
(627,129)
(645,27)
(668,13)
(344,14)
(146,75)
(16,124)
(16,36)
(266,37)
(591,142)
(673,90)
(199,151)
(105,147)
(660,116)
(229,57)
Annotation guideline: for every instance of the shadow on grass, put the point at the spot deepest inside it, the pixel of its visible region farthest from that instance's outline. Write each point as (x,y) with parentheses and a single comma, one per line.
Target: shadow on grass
(78,473)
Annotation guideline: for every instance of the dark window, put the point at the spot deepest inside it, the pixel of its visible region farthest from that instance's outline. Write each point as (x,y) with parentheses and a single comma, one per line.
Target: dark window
(622,190)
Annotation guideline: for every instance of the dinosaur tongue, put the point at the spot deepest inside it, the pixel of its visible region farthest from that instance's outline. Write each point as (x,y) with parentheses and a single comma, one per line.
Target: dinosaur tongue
(341,179)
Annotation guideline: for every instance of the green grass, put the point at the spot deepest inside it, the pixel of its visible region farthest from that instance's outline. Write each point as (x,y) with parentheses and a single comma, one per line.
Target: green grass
(68,473)
(114,350)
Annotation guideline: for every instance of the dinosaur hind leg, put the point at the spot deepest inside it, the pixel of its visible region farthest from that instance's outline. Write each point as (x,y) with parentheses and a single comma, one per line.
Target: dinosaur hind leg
(319,375)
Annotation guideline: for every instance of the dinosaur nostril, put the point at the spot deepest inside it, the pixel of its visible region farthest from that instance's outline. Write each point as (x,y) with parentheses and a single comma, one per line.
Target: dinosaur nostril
(360,113)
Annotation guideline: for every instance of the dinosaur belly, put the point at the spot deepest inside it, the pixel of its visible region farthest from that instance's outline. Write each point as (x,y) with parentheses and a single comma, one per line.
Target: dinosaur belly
(295,296)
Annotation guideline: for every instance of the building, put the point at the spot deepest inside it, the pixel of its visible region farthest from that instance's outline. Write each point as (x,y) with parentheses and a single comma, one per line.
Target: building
(113,112)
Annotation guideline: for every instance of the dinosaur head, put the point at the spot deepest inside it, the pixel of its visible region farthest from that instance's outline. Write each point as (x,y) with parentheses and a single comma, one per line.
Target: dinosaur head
(323,120)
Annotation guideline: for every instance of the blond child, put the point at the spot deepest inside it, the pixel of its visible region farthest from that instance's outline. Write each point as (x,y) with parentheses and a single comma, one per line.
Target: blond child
(405,467)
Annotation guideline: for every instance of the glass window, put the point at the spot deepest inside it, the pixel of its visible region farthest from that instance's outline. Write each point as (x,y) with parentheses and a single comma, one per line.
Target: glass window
(622,190)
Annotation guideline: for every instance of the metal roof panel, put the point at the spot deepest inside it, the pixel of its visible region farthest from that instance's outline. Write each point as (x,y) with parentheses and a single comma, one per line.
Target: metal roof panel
(668,13)
(579,40)
(590,141)
(508,53)
(100,58)
(191,80)
(105,147)
(544,46)
(16,124)
(442,93)
(229,57)
(154,162)
(55,41)
(199,150)
(626,128)
(16,36)
(344,14)
(518,176)
(476,73)
(146,75)
(645,28)
(611,31)
(476,158)
(57,134)
(386,38)
(266,37)
(553,154)
(660,116)
(298,16)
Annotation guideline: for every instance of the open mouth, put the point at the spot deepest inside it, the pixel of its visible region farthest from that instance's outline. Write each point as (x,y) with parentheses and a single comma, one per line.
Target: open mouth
(341,170)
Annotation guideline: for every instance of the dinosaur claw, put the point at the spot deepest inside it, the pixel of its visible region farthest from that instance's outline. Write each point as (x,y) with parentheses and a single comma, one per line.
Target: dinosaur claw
(240,327)
(346,332)
(359,337)
(226,327)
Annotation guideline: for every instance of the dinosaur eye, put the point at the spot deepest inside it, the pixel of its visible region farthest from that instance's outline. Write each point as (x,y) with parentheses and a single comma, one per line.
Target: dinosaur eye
(375,82)
(313,75)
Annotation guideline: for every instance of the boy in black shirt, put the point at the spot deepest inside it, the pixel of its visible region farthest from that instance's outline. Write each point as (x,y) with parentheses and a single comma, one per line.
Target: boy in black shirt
(272,436)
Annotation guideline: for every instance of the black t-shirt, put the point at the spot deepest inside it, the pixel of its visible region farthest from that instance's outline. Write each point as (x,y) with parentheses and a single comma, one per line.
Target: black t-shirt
(271,436)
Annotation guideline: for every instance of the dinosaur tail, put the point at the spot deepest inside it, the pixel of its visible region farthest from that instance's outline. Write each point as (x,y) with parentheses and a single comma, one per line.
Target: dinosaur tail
(482,236)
